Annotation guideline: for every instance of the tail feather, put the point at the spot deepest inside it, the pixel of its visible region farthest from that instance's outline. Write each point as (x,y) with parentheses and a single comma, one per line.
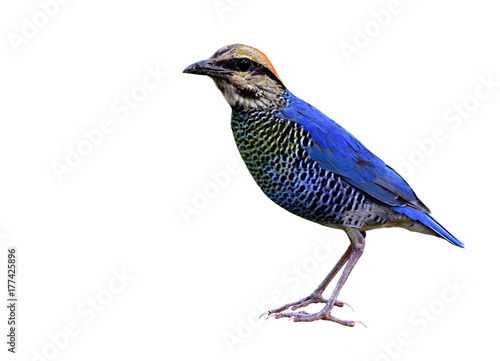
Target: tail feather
(429,221)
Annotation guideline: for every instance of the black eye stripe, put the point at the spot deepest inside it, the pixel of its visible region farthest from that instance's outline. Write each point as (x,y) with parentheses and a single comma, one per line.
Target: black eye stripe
(255,68)
(266,71)
(231,64)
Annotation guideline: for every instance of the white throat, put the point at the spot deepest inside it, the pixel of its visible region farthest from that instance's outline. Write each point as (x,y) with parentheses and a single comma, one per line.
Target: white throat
(257,98)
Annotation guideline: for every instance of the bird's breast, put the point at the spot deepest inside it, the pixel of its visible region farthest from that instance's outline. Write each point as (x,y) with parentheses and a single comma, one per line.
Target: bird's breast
(275,152)
(270,147)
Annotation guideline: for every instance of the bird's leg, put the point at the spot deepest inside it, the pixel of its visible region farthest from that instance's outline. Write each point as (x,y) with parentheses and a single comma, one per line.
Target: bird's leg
(356,250)
(317,295)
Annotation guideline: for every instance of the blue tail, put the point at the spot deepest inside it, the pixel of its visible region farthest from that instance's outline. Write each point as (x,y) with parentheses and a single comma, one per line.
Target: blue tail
(427,220)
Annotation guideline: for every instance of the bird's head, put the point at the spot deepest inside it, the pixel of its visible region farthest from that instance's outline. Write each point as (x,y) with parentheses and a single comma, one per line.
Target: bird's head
(244,75)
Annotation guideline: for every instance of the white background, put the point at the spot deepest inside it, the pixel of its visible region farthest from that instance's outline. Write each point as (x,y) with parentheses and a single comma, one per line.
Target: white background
(194,281)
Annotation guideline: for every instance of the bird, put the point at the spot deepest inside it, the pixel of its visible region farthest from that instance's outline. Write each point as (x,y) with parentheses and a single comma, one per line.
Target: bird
(311,166)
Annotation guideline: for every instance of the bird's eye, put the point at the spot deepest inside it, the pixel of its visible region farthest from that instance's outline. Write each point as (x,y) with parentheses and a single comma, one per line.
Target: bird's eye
(243,64)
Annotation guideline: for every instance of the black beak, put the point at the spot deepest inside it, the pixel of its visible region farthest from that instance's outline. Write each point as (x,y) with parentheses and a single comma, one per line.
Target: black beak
(206,67)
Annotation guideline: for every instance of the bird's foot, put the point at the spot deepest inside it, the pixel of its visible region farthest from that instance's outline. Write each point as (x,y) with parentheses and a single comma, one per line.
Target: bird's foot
(312,298)
(324,314)
(303,316)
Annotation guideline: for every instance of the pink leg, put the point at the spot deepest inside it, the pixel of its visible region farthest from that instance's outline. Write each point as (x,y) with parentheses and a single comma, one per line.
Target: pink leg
(352,255)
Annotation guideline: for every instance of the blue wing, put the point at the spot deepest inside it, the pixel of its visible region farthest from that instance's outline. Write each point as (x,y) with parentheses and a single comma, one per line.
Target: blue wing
(338,151)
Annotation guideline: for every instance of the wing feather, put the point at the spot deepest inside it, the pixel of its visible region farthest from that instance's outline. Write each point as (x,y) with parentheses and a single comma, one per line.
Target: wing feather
(337,150)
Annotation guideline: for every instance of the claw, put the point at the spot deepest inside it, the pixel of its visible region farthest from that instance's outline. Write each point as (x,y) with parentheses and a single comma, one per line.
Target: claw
(341,304)
(361,323)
